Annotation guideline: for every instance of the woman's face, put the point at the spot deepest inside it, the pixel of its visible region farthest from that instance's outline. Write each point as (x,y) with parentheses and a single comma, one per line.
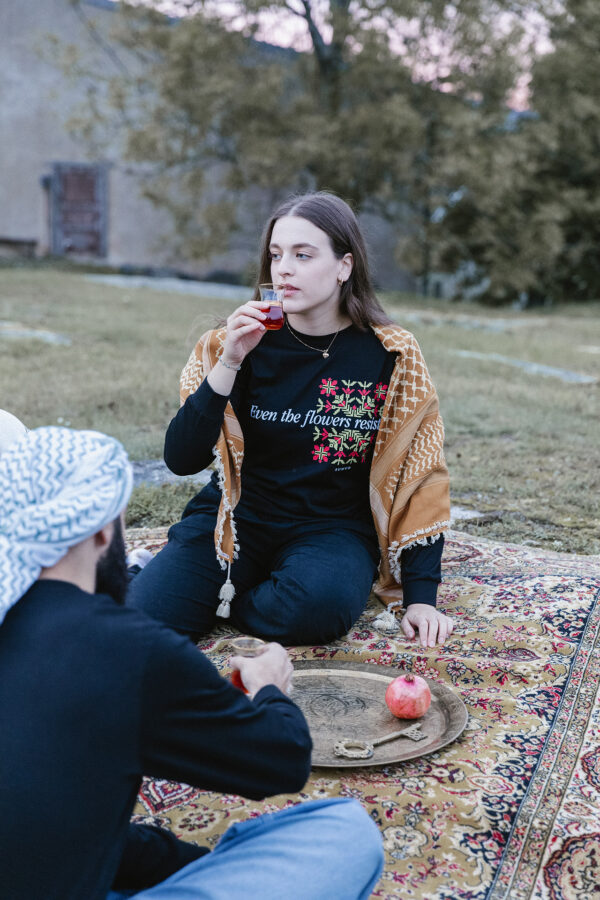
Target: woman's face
(303,261)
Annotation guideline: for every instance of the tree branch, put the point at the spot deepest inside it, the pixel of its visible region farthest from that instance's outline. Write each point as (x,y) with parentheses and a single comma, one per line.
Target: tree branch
(104,45)
(291,9)
(322,49)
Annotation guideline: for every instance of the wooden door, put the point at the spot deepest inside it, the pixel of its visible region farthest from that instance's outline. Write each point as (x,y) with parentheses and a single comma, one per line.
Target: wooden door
(78,209)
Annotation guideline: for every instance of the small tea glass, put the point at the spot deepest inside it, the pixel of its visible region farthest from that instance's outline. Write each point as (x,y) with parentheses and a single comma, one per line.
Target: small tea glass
(247,646)
(271,298)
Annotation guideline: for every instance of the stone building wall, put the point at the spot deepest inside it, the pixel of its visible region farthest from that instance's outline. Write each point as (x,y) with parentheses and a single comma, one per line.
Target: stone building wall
(36,100)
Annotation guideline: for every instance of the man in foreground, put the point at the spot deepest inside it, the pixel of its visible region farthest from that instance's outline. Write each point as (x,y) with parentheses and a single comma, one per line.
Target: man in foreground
(94,695)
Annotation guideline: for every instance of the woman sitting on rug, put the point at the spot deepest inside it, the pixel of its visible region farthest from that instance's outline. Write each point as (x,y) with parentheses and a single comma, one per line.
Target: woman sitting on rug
(328,448)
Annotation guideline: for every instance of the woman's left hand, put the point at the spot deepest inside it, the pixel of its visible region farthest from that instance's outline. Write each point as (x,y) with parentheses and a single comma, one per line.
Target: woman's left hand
(433,626)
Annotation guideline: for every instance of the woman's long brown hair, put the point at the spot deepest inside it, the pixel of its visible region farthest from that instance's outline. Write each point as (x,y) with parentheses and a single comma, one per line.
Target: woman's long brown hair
(333,216)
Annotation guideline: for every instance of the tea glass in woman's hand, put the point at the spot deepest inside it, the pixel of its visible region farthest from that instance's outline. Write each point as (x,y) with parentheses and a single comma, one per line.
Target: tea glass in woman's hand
(271,298)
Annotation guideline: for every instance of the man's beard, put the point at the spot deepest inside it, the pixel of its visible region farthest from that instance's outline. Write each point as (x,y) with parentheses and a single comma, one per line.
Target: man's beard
(111,568)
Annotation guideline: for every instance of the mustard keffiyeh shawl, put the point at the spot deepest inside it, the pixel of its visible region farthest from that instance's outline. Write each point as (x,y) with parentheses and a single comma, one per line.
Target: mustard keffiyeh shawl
(409,485)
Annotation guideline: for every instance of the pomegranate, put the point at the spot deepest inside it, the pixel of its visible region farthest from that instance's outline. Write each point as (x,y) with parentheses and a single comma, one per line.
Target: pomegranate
(408,697)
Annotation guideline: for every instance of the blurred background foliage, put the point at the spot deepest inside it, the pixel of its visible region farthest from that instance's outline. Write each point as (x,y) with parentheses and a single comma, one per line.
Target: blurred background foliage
(473,126)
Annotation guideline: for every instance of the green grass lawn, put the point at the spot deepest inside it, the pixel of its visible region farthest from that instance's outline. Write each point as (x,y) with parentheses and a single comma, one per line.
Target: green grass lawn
(521,445)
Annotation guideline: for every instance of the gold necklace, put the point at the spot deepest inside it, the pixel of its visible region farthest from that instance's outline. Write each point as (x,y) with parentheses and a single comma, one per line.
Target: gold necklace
(324,352)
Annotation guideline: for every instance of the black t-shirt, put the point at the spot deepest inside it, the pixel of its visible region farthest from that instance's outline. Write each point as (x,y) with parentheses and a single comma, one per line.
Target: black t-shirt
(309,424)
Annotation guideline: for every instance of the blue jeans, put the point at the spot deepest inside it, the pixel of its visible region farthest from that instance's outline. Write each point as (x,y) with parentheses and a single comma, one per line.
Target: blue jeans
(295,584)
(324,850)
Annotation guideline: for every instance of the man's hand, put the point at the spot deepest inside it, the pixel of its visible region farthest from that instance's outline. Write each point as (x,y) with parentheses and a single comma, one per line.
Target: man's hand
(433,626)
(273,666)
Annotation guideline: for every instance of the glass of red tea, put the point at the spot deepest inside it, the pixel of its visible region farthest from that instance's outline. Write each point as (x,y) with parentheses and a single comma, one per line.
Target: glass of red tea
(271,298)
(244,645)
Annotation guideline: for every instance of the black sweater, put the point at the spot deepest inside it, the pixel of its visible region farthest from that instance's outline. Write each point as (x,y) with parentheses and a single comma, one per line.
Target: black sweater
(93,696)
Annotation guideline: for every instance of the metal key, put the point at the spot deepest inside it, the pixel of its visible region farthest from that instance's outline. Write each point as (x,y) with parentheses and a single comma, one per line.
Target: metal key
(353,749)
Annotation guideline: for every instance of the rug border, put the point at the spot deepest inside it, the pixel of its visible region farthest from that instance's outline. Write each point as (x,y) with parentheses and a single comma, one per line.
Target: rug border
(534,821)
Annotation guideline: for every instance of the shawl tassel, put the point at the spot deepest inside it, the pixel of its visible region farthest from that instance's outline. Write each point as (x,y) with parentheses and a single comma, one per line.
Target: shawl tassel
(226,595)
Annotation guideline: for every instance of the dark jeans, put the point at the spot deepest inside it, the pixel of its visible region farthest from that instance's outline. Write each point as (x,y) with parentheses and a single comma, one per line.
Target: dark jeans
(296,584)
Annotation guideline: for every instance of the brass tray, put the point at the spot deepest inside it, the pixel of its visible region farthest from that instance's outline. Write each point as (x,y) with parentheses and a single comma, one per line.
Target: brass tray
(347,700)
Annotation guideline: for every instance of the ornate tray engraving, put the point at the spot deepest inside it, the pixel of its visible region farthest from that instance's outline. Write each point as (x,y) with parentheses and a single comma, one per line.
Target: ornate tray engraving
(347,700)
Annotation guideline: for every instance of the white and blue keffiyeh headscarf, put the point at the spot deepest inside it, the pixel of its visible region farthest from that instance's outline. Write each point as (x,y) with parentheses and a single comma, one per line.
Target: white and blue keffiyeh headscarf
(57,488)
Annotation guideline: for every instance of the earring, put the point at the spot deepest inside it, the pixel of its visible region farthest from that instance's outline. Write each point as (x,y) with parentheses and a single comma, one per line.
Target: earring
(340,280)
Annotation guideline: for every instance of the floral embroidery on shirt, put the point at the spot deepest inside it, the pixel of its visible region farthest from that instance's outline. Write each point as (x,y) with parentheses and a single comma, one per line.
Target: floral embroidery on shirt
(328,386)
(348,408)
(321,453)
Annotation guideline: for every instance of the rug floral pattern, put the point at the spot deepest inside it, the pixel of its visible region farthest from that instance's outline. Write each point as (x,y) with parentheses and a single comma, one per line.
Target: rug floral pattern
(512,808)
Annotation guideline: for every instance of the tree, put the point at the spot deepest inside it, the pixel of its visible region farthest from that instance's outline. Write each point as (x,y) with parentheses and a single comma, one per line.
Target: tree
(497,232)
(382,106)
(567,150)
(526,225)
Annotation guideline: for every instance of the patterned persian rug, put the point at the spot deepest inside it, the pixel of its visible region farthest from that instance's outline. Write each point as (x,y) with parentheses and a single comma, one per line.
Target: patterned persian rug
(512,808)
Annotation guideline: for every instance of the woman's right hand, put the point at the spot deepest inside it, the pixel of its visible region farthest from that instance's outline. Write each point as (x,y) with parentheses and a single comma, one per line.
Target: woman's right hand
(244,331)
